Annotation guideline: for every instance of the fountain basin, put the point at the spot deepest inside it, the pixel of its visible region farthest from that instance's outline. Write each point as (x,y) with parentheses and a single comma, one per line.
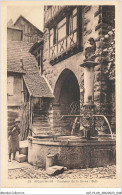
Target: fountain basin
(71,151)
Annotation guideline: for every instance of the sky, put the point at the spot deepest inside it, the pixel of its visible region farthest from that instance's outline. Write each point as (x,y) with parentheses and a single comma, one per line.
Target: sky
(34,14)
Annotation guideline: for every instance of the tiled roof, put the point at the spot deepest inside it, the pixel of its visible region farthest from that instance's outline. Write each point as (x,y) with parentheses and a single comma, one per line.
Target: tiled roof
(36,84)
(17,50)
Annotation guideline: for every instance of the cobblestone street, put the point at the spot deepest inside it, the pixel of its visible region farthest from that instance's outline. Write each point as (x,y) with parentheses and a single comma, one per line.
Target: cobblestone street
(26,171)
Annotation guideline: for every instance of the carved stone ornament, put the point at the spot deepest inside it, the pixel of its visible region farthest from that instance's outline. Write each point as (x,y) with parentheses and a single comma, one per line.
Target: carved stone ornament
(90,49)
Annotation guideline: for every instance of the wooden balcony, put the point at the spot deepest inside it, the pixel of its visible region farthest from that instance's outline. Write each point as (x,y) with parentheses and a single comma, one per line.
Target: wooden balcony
(64,47)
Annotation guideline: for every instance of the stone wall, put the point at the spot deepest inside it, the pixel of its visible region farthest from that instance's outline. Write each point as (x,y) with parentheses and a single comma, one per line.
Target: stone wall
(102,29)
(73,155)
(106,57)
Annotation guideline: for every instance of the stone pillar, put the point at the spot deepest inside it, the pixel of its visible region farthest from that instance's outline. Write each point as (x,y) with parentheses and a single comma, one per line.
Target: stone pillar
(88,108)
(88,84)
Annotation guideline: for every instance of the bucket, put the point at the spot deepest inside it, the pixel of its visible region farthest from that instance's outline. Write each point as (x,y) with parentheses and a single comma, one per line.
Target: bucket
(50,160)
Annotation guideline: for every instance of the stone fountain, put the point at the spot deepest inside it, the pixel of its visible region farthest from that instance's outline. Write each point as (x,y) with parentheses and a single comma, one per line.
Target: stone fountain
(72,151)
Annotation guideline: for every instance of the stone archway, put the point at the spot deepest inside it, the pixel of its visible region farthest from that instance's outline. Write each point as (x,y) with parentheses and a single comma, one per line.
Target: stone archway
(66,92)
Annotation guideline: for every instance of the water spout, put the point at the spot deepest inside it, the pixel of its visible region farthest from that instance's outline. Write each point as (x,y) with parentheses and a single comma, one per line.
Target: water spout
(74,125)
(107,123)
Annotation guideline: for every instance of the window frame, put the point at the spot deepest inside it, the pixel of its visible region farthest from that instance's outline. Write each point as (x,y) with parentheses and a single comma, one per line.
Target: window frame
(72,16)
(58,28)
(76,28)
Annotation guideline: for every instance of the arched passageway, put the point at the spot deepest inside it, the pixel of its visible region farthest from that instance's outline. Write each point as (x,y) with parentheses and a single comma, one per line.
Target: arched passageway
(66,92)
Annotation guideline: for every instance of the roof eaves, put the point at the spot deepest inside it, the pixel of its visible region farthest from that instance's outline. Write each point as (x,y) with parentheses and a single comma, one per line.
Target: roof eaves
(48,85)
(35,46)
(16,71)
(27,86)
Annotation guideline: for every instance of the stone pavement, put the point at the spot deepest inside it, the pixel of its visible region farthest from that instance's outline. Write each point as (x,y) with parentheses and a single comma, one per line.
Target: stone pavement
(27,171)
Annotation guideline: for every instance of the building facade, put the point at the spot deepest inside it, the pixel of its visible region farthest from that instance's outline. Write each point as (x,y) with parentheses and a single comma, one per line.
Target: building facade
(79,62)
(30,32)
(26,88)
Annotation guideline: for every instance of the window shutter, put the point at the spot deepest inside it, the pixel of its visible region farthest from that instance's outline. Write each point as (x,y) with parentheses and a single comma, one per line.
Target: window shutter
(10,85)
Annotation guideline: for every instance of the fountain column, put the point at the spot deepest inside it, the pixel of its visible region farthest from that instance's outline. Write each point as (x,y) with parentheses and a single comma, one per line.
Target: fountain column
(88,106)
(88,84)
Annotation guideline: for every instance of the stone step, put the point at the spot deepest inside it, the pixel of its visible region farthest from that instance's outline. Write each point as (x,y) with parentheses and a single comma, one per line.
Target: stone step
(38,127)
(11,119)
(23,150)
(42,133)
(10,127)
(41,125)
(12,111)
(40,119)
(39,111)
(10,123)
(40,116)
(12,114)
(20,157)
(41,130)
(40,122)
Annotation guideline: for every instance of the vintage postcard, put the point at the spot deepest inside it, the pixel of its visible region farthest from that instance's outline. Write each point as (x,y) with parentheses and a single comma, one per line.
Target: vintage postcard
(60,94)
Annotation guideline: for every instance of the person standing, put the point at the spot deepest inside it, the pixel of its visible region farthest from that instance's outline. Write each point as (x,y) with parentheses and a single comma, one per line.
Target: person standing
(13,139)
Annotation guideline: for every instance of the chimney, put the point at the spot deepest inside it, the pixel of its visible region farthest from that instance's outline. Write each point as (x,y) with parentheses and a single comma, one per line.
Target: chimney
(21,61)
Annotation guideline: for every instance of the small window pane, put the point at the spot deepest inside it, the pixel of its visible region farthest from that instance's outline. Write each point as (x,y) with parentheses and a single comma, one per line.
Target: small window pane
(74,22)
(55,36)
(62,33)
(74,11)
(70,24)
(51,40)
(51,31)
(62,22)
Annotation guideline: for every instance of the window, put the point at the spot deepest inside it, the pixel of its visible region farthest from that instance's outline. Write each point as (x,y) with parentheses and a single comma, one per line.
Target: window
(57,33)
(62,29)
(10,85)
(70,25)
(53,36)
(64,35)
(72,21)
